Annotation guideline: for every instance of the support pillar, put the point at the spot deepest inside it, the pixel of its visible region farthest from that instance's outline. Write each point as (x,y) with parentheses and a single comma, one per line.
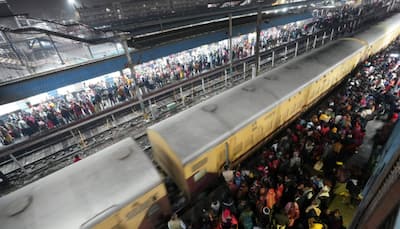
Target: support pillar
(133,74)
(56,49)
(19,164)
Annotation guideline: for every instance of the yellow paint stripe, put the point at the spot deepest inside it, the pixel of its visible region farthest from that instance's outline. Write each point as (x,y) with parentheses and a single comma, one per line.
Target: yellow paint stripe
(356,39)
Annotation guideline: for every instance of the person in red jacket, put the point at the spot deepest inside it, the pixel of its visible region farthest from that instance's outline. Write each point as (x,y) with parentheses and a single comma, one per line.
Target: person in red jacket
(77,158)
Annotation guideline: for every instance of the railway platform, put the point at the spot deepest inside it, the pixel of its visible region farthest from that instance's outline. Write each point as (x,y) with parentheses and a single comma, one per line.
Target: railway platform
(78,61)
(333,160)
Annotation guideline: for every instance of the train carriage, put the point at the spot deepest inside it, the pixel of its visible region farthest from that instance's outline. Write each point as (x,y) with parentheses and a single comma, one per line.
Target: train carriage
(379,36)
(118,187)
(193,146)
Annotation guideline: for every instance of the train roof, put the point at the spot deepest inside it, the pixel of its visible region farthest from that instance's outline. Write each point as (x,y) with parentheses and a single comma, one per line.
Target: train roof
(201,127)
(379,30)
(70,197)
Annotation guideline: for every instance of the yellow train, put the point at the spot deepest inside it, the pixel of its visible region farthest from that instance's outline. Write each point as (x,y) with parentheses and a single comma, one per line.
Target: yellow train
(193,145)
(120,188)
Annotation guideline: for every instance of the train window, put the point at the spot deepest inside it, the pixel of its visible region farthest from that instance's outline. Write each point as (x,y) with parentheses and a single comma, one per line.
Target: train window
(137,207)
(153,209)
(200,174)
(199,164)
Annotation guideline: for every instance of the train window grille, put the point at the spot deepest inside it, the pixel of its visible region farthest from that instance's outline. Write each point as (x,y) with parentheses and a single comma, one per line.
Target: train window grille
(137,208)
(199,164)
(200,174)
(155,208)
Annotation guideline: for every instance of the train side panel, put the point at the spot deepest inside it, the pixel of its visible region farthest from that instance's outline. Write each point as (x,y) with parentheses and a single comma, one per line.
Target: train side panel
(290,108)
(204,169)
(194,166)
(167,159)
(391,33)
(142,213)
(332,77)
(378,45)
(381,35)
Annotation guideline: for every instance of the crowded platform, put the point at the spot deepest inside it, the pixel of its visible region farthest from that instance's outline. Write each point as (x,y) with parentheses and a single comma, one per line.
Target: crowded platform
(293,180)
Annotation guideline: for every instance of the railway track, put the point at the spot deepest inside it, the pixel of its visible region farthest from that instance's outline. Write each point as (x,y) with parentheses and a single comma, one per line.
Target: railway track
(109,127)
(88,143)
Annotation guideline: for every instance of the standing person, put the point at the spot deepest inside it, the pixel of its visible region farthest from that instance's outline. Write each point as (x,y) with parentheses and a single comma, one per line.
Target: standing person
(335,220)
(228,174)
(176,223)
(5,136)
(246,218)
(111,95)
(97,102)
(77,158)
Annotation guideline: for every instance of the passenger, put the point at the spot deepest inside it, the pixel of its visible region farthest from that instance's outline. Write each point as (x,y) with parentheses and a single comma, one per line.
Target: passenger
(313,212)
(246,218)
(216,207)
(5,136)
(335,220)
(354,189)
(292,211)
(228,220)
(207,219)
(238,179)
(76,158)
(176,223)
(228,174)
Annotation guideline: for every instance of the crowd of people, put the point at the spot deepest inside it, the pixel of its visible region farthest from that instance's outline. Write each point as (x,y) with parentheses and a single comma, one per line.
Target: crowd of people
(292,181)
(153,75)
